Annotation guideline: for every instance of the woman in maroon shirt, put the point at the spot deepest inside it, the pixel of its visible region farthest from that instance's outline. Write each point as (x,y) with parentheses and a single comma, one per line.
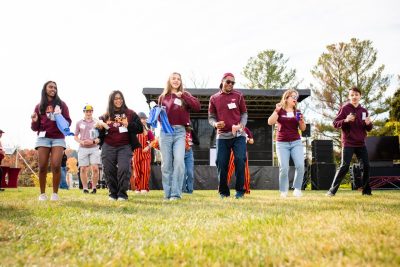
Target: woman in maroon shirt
(178,104)
(50,142)
(288,141)
(117,133)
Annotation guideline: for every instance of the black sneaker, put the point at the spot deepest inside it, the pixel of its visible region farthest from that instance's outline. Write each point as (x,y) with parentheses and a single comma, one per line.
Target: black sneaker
(1,189)
(367,193)
(94,191)
(85,191)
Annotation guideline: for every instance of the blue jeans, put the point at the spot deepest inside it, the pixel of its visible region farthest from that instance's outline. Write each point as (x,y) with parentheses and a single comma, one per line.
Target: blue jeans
(224,147)
(284,150)
(63,181)
(189,165)
(172,148)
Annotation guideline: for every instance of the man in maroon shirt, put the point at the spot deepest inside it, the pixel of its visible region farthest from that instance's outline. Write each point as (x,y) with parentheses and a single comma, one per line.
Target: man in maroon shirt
(354,121)
(227,112)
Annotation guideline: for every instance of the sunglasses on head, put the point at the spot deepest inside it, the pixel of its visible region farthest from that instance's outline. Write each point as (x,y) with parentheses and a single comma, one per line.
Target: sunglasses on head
(230,82)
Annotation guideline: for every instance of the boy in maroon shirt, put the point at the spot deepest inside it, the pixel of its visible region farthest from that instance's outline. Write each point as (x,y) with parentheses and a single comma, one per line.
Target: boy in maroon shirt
(354,121)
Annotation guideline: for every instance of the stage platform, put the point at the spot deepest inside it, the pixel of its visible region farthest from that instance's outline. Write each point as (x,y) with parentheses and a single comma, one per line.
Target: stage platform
(262,177)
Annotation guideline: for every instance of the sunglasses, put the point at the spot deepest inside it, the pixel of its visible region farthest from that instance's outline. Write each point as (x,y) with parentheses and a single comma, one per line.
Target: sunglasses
(230,82)
(295,97)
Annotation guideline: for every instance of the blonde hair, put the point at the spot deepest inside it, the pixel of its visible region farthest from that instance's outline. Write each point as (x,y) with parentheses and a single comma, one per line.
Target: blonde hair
(168,87)
(286,95)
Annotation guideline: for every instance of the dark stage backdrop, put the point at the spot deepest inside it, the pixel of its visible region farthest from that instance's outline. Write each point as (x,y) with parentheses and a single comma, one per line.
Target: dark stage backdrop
(260,153)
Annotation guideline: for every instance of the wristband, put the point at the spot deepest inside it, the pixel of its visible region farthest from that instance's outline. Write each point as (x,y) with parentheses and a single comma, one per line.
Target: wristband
(94,142)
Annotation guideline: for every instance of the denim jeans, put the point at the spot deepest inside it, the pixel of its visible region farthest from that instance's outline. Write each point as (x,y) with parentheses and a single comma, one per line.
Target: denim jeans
(172,146)
(224,148)
(284,151)
(347,154)
(63,180)
(189,165)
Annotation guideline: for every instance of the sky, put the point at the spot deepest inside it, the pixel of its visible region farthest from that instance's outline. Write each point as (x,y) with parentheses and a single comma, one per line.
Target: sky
(91,47)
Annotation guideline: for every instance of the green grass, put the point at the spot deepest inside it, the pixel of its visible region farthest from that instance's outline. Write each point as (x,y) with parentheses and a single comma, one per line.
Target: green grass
(201,229)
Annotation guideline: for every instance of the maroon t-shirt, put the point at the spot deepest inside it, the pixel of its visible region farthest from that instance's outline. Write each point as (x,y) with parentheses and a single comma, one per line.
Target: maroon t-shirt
(46,122)
(117,136)
(178,108)
(353,133)
(288,127)
(227,107)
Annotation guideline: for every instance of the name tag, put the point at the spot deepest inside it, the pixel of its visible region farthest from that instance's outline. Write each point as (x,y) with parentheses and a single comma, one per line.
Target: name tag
(42,134)
(83,126)
(289,115)
(123,129)
(232,105)
(178,102)
(364,116)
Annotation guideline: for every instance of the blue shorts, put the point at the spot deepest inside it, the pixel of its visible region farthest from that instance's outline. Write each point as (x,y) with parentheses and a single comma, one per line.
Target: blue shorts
(49,142)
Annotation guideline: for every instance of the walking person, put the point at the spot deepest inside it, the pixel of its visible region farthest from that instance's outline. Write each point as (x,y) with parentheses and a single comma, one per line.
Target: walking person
(288,141)
(354,122)
(88,153)
(50,143)
(141,159)
(227,112)
(249,140)
(178,103)
(63,179)
(118,129)
(190,140)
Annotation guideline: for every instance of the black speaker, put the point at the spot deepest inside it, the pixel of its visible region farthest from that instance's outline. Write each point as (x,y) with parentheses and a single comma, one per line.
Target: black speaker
(307,131)
(322,151)
(322,175)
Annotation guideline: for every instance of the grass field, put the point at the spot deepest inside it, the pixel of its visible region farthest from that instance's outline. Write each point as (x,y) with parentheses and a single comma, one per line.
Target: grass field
(200,229)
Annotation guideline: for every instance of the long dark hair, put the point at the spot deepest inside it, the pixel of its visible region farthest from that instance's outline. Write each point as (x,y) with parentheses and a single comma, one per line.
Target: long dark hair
(111,109)
(44,102)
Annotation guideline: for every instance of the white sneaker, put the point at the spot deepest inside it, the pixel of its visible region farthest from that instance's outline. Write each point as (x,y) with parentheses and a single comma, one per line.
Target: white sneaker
(283,194)
(112,199)
(54,197)
(42,197)
(143,191)
(297,193)
(122,199)
(174,198)
(137,191)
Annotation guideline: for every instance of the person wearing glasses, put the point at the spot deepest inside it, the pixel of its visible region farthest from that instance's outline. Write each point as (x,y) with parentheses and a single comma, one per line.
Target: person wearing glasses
(227,112)
(50,143)
(87,135)
(117,132)
(288,141)
(178,103)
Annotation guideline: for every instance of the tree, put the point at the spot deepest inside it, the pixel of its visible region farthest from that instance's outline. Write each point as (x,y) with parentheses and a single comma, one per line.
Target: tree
(268,70)
(343,66)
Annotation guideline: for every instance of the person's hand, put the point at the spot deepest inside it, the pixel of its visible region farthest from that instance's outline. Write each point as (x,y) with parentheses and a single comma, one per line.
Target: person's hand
(301,118)
(350,118)
(57,110)
(236,128)
(368,120)
(146,149)
(178,94)
(34,117)
(278,107)
(219,124)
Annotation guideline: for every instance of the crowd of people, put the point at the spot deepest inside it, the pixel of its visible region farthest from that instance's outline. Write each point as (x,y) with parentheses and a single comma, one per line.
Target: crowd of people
(121,141)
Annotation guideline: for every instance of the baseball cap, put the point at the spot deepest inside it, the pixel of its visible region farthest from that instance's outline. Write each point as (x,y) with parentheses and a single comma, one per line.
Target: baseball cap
(142,115)
(87,107)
